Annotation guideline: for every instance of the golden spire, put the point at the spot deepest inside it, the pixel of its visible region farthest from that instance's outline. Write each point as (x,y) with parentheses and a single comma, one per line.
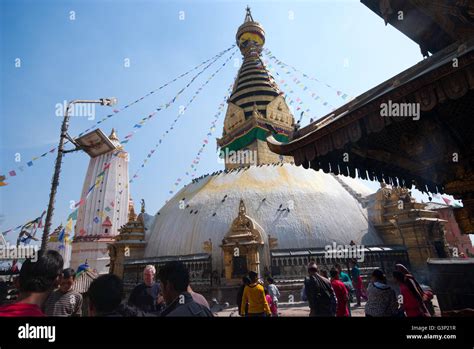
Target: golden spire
(131,211)
(113,135)
(248,15)
(250,36)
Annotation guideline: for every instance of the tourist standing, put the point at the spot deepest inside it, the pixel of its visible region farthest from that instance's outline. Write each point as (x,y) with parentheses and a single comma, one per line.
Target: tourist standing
(344,277)
(174,279)
(37,280)
(341,292)
(64,302)
(147,295)
(357,282)
(381,298)
(254,295)
(274,293)
(319,292)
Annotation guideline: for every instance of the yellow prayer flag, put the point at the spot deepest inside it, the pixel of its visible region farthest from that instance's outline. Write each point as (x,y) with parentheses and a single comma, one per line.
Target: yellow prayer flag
(69,225)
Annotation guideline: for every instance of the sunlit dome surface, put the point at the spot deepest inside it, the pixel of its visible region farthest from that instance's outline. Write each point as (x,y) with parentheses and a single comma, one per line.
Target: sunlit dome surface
(321,211)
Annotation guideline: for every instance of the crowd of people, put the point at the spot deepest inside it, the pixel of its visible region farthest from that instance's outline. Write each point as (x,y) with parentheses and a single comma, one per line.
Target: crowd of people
(46,289)
(329,297)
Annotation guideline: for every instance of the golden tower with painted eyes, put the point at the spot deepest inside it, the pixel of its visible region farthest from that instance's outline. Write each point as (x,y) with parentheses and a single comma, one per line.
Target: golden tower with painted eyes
(256,106)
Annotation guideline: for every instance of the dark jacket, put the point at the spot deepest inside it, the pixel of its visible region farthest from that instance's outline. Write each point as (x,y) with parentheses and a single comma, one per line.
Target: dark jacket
(320,295)
(188,308)
(144,297)
(124,310)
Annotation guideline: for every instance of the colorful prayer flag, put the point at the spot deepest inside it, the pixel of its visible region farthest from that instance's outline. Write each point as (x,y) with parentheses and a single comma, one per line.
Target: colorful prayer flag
(73,215)
(69,225)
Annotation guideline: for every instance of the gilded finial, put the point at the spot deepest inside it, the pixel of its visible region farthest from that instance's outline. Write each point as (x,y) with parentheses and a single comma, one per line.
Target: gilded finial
(242,208)
(250,36)
(113,135)
(131,211)
(248,15)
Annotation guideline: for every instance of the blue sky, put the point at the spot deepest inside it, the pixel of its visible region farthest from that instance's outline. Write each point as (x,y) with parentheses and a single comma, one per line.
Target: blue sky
(342,43)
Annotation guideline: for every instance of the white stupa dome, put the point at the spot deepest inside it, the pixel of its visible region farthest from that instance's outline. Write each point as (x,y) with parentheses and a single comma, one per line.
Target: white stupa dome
(301,208)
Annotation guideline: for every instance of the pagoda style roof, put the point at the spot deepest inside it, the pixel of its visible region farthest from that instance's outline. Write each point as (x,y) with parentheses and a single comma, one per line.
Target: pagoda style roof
(398,150)
(433,25)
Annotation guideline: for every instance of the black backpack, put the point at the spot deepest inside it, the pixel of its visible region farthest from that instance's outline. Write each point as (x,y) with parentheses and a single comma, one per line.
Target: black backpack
(320,295)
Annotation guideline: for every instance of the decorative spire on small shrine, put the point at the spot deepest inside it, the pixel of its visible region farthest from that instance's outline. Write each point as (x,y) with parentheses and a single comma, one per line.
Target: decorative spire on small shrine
(131,211)
(113,135)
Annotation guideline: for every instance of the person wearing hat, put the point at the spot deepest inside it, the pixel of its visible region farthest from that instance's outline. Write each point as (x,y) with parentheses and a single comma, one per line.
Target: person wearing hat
(319,293)
(254,295)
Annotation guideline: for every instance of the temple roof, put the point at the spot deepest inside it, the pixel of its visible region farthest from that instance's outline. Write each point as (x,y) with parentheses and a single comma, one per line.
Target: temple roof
(397,149)
(433,25)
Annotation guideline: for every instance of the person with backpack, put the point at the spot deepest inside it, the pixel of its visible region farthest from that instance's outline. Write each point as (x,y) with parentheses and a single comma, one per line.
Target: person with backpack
(321,298)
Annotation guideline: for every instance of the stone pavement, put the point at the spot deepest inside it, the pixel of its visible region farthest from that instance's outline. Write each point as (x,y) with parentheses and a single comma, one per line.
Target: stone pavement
(301,309)
(294,309)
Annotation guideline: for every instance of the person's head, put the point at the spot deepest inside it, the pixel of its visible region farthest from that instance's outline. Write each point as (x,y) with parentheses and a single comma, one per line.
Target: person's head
(324,272)
(266,291)
(105,294)
(149,275)
(312,268)
(352,263)
(253,276)
(334,274)
(67,280)
(379,276)
(174,279)
(338,268)
(270,280)
(398,276)
(246,280)
(43,275)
